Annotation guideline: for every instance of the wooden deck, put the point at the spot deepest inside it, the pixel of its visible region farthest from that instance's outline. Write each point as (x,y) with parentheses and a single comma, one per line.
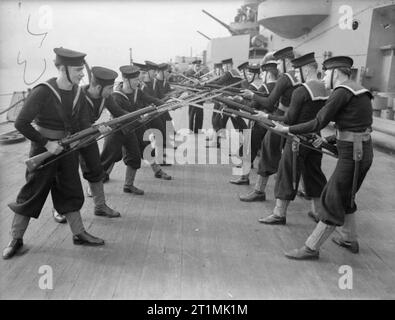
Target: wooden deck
(191,238)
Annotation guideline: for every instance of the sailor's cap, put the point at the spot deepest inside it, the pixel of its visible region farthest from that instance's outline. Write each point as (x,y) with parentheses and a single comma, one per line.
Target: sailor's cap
(338,62)
(141,66)
(303,60)
(269,66)
(163,66)
(69,57)
(151,65)
(254,68)
(227,61)
(242,66)
(104,76)
(284,53)
(129,71)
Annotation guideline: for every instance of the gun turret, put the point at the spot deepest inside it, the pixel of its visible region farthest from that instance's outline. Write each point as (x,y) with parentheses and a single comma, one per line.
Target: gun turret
(232,31)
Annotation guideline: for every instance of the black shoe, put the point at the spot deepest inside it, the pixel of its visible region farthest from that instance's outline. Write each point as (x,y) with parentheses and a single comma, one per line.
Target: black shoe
(253,196)
(303,253)
(162,175)
(12,248)
(87,239)
(240,181)
(273,219)
(313,216)
(352,246)
(106,177)
(133,190)
(59,218)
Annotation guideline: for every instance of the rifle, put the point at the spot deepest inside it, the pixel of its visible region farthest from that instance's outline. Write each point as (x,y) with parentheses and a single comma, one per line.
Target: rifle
(302,139)
(33,162)
(234,104)
(90,134)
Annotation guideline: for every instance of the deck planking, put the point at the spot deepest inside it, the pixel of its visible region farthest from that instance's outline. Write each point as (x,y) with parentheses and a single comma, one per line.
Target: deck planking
(191,238)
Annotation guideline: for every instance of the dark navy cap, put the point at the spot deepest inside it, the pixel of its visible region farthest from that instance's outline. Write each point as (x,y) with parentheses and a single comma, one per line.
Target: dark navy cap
(254,68)
(151,65)
(129,72)
(270,66)
(303,60)
(141,66)
(197,61)
(242,66)
(284,53)
(338,62)
(69,57)
(163,66)
(227,61)
(104,76)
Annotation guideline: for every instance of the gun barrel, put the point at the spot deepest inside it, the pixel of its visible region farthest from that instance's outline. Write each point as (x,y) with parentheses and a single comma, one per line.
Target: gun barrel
(232,32)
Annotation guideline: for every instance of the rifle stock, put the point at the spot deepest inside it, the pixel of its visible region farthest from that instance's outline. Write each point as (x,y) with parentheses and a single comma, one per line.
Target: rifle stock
(33,162)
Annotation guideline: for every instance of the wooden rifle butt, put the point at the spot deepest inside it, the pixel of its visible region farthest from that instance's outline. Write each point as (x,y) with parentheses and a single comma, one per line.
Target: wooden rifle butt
(34,162)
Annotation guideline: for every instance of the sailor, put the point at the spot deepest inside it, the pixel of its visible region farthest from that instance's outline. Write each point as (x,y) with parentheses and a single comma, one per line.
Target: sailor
(130,97)
(216,118)
(147,77)
(161,84)
(150,68)
(123,144)
(53,106)
(296,160)
(262,85)
(191,69)
(97,98)
(195,113)
(161,90)
(272,143)
(349,106)
(230,76)
(242,68)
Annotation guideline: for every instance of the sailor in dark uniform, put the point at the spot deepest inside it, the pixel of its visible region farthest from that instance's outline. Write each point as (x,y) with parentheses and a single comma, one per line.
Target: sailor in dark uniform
(216,118)
(150,68)
(53,107)
(97,98)
(162,88)
(272,143)
(242,68)
(148,73)
(129,97)
(349,106)
(307,99)
(264,85)
(230,76)
(195,114)
(123,142)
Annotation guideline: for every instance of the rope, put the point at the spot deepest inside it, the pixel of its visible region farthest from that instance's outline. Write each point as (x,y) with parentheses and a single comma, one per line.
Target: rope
(12,106)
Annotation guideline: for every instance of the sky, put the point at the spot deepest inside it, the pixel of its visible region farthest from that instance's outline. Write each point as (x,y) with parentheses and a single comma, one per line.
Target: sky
(105,30)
